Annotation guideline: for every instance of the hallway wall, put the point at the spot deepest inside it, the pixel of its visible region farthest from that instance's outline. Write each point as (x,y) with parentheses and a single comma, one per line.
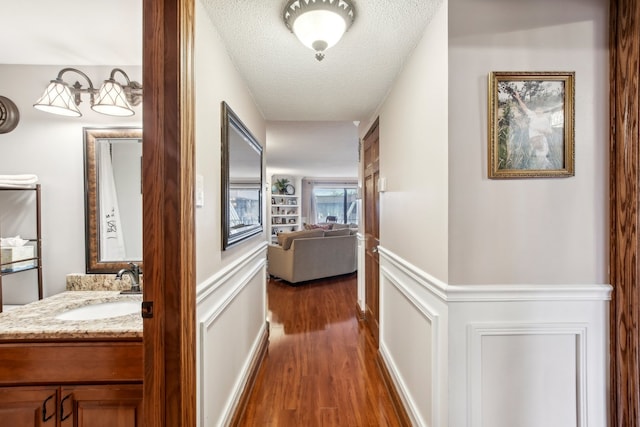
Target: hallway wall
(494,302)
(230,298)
(413,156)
(217,80)
(414,247)
(534,231)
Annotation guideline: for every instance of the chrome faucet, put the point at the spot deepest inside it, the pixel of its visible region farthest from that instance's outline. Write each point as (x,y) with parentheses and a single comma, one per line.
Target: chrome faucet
(134,274)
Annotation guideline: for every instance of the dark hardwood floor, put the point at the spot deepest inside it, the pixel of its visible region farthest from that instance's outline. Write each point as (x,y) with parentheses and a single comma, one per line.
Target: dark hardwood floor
(321,366)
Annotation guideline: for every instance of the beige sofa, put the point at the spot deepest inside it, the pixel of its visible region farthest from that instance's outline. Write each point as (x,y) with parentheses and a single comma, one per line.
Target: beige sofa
(312,254)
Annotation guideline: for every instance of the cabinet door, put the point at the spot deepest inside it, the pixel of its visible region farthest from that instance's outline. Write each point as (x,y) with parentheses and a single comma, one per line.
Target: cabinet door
(28,406)
(101,406)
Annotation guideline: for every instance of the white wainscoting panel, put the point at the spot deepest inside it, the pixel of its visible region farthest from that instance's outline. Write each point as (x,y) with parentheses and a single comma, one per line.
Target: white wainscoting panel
(231,318)
(527,375)
(413,339)
(494,355)
(536,344)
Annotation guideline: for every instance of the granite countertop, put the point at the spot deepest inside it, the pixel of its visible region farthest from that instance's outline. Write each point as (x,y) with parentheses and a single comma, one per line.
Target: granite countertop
(37,320)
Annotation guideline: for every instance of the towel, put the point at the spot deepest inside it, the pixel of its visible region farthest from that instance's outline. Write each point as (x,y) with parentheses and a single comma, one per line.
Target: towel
(18,181)
(12,242)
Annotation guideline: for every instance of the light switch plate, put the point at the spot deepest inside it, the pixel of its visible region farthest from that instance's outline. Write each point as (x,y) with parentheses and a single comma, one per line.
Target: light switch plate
(382,184)
(199,191)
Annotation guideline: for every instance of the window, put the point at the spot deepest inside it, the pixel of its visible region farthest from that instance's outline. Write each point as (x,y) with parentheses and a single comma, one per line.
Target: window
(336,205)
(244,207)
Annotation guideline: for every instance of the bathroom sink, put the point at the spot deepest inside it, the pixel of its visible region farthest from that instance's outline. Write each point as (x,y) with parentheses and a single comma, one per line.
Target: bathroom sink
(104,310)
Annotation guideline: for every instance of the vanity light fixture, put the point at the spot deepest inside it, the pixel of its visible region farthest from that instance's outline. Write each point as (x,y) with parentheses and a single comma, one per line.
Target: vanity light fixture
(113,98)
(319,24)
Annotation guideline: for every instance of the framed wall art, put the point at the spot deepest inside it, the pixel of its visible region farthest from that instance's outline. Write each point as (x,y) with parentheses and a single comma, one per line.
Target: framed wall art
(531,124)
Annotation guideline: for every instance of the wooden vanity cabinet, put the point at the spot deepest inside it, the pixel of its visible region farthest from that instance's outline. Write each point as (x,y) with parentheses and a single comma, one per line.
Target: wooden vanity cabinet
(28,406)
(73,384)
(72,406)
(101,406)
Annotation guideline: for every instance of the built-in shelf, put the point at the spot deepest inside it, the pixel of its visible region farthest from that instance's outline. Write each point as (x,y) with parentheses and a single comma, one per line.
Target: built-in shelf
(284,214)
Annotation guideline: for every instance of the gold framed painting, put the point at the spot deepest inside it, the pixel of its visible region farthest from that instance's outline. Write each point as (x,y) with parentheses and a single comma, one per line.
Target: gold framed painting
(531,124)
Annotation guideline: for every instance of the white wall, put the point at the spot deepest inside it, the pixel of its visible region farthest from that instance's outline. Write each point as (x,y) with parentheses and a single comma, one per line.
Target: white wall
(532,230)
(231,294)
(413,156)
(217,80)
(493,294)
(414,226)
(51,147)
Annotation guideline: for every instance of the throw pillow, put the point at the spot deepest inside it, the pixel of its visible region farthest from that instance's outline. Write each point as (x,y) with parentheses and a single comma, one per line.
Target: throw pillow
(285,239)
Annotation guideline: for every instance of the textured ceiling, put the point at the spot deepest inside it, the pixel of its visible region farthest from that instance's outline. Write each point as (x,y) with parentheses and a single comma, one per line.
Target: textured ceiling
(286,80)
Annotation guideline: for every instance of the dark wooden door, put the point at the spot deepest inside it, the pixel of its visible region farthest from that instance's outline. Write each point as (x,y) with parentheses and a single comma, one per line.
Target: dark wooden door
(29,406)
(371,156)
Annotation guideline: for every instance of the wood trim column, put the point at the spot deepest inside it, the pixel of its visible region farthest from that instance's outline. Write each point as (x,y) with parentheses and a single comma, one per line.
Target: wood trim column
(624,199)
(168,214)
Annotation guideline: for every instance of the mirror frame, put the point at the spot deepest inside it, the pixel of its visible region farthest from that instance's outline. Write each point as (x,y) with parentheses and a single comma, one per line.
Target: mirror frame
(92,252)
(230,119)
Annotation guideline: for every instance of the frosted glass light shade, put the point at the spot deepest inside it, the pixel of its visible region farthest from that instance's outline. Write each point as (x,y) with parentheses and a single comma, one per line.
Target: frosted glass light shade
(57,99)
(112,100)
(319,29)
(319,24)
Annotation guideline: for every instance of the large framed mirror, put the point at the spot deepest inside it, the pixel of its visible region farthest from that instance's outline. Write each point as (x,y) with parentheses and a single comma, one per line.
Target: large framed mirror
(241,181)
(113,198)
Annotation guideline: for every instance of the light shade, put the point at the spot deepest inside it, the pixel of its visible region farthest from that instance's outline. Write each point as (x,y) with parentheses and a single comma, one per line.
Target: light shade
(319,24)
(57,99)
(112,100)
(319,29)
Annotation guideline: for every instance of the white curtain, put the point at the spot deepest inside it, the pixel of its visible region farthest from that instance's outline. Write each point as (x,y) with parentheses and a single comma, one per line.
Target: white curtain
(308,202)
(111,238)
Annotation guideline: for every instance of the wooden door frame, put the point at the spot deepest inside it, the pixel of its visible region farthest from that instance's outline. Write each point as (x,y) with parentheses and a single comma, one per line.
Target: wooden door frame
(624,175)
(168,144)
(372,320)
(168,214)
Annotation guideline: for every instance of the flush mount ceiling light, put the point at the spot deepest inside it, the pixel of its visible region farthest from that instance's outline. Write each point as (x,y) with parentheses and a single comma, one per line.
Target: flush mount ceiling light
(114,99)
(319,24)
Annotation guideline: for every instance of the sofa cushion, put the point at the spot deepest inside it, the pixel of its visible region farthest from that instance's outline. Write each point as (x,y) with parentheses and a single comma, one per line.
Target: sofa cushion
(334,233)
(285,239)
(317,226)
(339,226)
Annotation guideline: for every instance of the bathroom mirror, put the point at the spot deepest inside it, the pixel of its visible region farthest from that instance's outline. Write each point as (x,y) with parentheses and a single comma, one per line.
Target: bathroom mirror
(241,180)
(113,198)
